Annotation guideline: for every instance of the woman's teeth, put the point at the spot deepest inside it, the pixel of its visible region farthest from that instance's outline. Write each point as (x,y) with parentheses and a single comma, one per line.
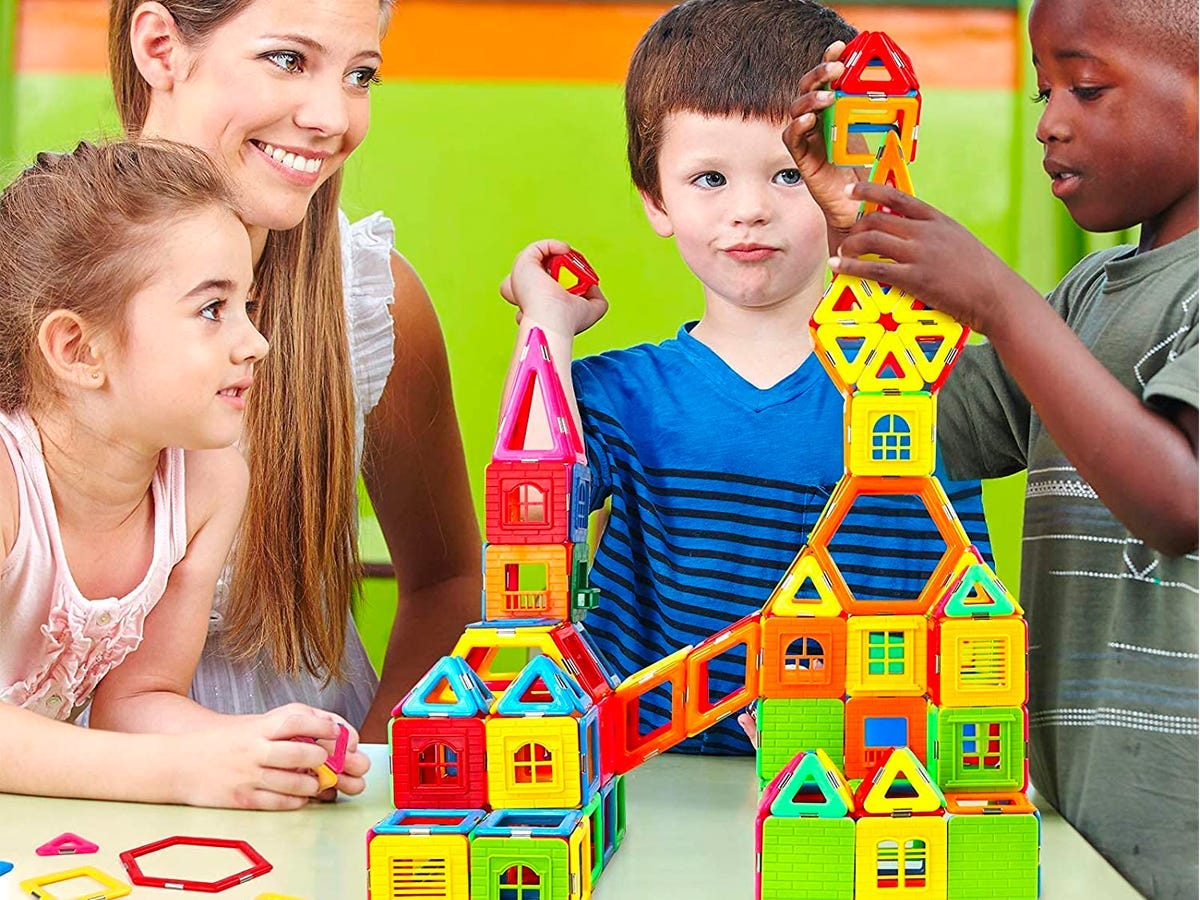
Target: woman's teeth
(292,160)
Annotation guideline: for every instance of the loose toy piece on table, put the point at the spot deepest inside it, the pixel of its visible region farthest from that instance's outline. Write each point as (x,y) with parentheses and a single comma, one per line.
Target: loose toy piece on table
(66,844)
(258,864)
(36,887)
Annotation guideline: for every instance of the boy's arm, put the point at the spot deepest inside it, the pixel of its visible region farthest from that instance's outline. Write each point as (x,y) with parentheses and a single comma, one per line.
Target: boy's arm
(1141,463)
(543,303)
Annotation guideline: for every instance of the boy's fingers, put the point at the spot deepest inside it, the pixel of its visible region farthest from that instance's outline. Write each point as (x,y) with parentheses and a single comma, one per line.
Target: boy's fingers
(873,269)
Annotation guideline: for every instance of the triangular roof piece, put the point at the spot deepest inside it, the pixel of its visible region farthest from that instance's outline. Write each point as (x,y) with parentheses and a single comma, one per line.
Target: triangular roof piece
(450,689)
(769,794)
(900,786)
(543,676)
(848,299)
(890,168)
(536,375)
(805,569)
(846,347)
(875,65)
(815,788)
(932,346)
(975,592)
(67,844)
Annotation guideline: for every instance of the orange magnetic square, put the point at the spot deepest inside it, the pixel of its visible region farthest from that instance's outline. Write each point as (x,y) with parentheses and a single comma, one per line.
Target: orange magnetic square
(701,712)
(803,657)
(632,747)
(874,725)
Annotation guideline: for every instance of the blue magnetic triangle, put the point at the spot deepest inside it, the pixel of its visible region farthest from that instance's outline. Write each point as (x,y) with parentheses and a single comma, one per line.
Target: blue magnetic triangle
(5,867)
(566,697)
(470,695)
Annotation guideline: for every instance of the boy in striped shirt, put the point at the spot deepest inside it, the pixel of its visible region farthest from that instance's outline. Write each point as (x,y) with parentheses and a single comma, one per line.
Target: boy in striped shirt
(716,450)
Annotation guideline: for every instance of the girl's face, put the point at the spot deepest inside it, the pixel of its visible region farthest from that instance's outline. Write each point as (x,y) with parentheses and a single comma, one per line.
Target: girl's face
(279,94)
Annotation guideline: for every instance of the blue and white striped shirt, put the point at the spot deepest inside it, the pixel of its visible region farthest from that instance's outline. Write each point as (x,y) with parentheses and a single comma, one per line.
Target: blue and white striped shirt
(714,485)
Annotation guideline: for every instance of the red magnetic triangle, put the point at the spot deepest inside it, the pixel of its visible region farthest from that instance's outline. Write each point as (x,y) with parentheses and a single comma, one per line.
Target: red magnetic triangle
(67,844)
(536,375)
(870,47)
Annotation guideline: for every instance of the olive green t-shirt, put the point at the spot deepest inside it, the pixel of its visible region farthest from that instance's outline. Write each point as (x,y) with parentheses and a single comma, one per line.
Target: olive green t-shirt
(1112,624)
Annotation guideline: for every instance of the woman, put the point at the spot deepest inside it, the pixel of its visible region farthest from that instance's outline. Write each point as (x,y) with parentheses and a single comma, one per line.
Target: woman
(278,92)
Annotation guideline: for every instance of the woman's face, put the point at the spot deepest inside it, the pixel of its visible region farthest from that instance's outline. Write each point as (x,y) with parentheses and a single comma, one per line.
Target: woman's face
(279,94)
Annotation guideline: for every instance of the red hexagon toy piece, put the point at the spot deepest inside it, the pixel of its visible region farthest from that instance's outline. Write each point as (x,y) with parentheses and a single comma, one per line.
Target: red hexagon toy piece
(258,865)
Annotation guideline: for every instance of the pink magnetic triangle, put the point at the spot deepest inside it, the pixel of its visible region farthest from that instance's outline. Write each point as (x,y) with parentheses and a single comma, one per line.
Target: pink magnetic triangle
(536,372)
(67,844)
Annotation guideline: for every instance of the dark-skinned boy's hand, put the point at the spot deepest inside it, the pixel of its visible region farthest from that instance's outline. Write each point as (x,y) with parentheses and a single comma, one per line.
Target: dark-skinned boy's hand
(932,257)
(806,142)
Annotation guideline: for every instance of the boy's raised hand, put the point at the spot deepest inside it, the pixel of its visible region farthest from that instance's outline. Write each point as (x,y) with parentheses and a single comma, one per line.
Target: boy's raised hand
(805,141)
(543,300)
(931,256)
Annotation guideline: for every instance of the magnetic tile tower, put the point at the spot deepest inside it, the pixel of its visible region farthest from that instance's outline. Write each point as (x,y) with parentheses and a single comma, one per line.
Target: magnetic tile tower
(892,731)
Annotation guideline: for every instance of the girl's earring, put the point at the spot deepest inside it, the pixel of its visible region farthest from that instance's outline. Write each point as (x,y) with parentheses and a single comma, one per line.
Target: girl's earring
(95,376)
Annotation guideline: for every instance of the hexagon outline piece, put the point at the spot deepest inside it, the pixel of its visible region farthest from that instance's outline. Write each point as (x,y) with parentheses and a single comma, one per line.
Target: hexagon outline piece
(258,864)
(930,493)
(807,566)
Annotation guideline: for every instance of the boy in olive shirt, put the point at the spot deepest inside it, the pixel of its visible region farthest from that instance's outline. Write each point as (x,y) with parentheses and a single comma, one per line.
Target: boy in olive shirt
(1095,394)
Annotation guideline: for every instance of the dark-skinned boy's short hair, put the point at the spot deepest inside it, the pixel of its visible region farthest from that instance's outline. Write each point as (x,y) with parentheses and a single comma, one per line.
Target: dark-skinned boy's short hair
(720,58)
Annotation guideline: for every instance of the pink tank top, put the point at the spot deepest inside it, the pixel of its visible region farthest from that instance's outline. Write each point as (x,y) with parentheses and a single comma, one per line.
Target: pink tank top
(55,644)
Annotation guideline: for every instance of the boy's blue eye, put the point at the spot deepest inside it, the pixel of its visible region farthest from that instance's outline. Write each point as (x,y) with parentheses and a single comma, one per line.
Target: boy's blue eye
(789,177)
(288,60)
(710,180)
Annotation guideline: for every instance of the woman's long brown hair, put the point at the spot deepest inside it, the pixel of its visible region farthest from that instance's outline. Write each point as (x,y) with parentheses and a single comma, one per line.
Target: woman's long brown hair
(295,562)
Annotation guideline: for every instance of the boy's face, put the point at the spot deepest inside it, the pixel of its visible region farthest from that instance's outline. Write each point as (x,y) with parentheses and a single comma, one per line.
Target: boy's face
(740,213)
(1119,128)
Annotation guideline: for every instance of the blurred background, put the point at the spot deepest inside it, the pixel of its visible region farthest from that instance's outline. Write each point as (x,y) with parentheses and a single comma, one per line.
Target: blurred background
(498,123)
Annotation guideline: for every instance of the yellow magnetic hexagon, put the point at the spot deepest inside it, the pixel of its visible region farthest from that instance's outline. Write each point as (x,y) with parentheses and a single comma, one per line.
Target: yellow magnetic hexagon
(891,434)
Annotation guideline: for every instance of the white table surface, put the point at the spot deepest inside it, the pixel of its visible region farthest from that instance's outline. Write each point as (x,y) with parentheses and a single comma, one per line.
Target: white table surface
(691,835)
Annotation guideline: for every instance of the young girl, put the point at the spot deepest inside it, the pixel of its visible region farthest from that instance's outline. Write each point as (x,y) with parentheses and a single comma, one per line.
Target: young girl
(124,335)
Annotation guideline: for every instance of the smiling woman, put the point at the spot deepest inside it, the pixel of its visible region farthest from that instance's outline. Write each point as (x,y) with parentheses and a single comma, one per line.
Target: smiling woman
(277,91)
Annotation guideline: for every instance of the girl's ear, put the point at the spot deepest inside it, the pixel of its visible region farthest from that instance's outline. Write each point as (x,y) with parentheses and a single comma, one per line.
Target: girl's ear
(659,220)
(157,48)
(71,354)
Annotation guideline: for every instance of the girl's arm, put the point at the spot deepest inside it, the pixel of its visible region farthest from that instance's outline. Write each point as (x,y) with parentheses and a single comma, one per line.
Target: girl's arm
(416,474)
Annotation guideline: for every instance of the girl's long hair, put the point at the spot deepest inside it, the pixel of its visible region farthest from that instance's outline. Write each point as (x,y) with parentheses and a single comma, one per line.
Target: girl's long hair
(295,562)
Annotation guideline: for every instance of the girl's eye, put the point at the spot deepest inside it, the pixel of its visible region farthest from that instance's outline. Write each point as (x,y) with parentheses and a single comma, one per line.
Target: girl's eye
(251,308)
(788,177)
(288,60)
(1041,96)
(709,180)
(364,78)
(212,311)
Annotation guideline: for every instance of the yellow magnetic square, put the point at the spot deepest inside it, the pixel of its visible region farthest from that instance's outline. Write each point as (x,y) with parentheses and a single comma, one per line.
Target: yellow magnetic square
(891,434)
(982,662)
(112,888)
(534,763)
(873,110)
(900,857)
(408,865)
(886,656)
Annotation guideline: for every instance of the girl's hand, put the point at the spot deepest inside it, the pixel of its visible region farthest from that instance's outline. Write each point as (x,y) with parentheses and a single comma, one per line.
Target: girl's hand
(543,300)
(254,762)
(929,255)
(806,142)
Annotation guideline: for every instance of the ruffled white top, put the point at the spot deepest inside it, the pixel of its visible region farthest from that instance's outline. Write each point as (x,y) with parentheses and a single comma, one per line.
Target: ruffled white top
(236,686)
(56,644)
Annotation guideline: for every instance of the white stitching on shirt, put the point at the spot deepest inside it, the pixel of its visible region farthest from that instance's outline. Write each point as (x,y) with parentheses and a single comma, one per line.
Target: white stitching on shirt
(1179,654)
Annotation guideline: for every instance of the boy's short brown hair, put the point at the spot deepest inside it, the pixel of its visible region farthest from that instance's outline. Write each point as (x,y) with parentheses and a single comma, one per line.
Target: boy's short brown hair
(720,58)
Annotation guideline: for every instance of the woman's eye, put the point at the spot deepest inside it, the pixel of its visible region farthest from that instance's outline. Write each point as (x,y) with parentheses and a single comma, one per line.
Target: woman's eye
(788,177)
(710,180)
(288,60)
(212,311)
(364,78)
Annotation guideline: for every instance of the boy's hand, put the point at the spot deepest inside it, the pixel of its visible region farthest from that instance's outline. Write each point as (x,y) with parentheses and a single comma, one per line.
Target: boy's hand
(931,256)
(806,142)
(543,300)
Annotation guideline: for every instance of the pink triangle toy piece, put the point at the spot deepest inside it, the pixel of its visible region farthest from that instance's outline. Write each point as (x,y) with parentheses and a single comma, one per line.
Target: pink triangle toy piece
(536,375)
(67,844)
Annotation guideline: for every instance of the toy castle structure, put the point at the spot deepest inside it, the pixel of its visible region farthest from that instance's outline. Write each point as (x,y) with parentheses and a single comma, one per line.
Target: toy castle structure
(892,732)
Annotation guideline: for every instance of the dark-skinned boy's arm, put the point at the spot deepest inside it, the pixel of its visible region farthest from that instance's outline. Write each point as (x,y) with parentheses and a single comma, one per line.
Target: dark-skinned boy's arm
(1142,463)
(416,475)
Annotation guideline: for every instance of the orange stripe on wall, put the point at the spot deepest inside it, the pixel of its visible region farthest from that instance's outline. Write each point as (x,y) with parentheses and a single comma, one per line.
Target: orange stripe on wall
(477,40)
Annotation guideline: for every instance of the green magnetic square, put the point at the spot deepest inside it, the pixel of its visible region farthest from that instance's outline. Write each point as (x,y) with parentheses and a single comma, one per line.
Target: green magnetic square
(594,813)
(546,858)
(787,726)
(956,744)
(985,851)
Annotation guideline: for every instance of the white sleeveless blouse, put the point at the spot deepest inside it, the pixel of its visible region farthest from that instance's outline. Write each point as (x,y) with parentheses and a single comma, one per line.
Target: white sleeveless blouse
(233,686)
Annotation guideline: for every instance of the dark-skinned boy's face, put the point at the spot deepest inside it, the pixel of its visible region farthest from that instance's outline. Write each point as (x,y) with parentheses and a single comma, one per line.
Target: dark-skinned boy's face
(1119,128)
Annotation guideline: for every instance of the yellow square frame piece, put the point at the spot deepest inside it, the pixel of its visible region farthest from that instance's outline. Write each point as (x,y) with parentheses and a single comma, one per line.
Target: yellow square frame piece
(982,662)
(874,668)
(444,856)
(916,413)
(112,887)
(554,783)
(911,842)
